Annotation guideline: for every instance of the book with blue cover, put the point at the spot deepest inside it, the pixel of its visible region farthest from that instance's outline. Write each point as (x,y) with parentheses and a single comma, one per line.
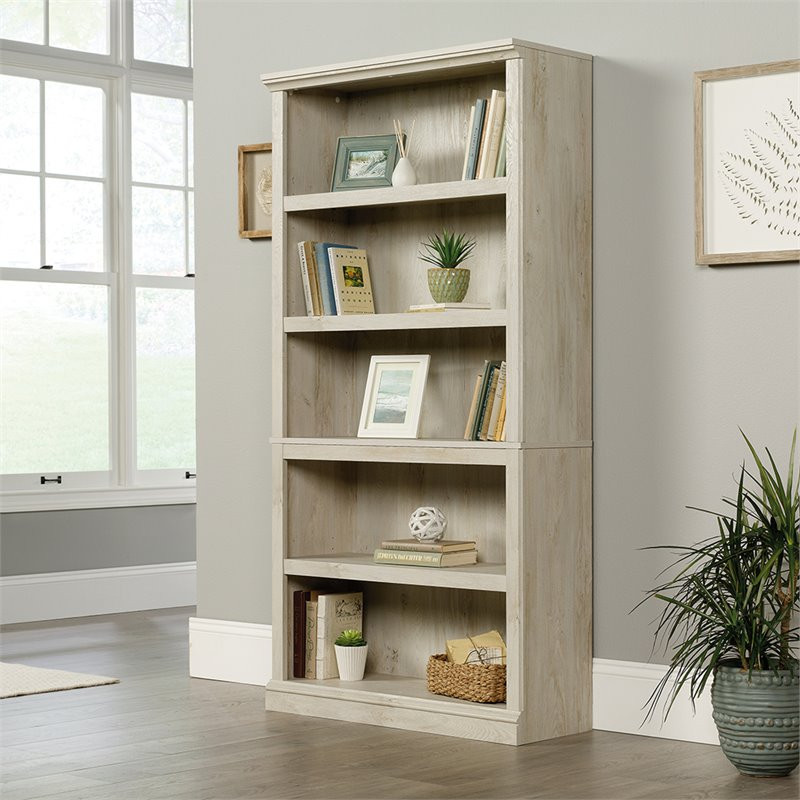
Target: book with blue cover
(475,138)
(326,289)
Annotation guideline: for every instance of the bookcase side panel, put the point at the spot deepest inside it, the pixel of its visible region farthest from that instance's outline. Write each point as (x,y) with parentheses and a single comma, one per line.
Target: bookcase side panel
(279,152)
(555,565)
(555,229)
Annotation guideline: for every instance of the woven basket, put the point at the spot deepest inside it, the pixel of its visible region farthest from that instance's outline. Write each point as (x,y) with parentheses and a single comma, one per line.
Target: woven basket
(480,683)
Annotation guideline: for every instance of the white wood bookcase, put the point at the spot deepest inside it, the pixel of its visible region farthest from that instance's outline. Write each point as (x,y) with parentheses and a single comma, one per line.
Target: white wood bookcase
(527,501)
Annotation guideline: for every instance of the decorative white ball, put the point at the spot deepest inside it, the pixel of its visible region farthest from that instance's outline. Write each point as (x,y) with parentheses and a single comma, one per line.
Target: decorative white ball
(427,524)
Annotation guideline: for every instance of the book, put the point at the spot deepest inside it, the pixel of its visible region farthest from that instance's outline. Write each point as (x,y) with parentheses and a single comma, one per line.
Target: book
(324,274)
(352,286)
(311,636)
(473,408)
(494,133)
(414,558)
(498,399)
(487,124)
(475,137)
(310,282)
(335,613)
(501,420)
(299,599)
(466,148)
(490,397)
(449,307)
(483,399)
(442,546)
(500,171)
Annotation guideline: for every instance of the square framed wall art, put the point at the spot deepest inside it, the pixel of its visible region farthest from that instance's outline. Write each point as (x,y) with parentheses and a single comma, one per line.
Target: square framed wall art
(747,164)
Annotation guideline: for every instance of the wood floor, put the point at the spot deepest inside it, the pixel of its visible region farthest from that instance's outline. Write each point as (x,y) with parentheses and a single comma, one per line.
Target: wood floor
(159,734)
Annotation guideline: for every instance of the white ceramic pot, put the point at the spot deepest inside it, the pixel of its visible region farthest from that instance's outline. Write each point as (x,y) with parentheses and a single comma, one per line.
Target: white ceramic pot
(404,174)
(351,662)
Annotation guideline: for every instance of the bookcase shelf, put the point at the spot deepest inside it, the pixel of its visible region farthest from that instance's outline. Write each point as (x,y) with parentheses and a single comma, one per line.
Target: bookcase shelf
(361,567)
(420,320)
(397,195)
(525,502)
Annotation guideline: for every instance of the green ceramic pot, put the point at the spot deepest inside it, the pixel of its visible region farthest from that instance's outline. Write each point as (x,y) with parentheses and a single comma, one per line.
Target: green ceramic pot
(758,719)
(448,285)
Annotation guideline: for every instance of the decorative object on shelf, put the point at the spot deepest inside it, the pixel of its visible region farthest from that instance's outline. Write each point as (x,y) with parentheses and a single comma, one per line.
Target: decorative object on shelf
(447,281)
(420,307)
(729,614)
(393,396)
(255,191)
(480,683)
(427,524)
(351,655)
(404,174)
(746,151)
(363,162)
(485,648)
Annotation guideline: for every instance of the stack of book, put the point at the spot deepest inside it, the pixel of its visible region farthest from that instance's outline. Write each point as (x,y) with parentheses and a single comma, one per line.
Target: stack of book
(411,553)
(485,154)
(318,619)
(487,412)
(335,279)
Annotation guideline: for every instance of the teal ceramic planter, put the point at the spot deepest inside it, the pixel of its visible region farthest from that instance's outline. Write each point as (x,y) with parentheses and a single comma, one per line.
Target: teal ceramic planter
(758,719)
(448,285)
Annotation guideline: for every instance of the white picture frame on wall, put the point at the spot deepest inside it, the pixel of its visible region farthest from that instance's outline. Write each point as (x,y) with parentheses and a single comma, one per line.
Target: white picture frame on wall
(746,151)
(393,397)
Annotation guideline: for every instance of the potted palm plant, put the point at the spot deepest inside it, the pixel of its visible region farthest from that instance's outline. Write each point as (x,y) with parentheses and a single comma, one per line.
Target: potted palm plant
(728,616)
(447,281)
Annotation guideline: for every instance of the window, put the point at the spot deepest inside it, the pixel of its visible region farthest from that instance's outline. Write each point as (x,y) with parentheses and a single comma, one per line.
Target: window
(96,253)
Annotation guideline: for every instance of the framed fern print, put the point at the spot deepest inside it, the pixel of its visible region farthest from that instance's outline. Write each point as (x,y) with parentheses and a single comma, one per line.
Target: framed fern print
(747,164)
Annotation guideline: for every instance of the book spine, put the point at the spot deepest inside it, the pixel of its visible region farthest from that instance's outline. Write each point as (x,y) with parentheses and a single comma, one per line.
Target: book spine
(426,547)
(337,289)
(311,639)
(473,407)
(299,634)
(500,172)
(325,285)
(487,127)
(410,557)
(495,132)
(313,279)
(482,400)
(498,396)
(475,139)
(306,282)
(501,419)
(490,397)
(467,146)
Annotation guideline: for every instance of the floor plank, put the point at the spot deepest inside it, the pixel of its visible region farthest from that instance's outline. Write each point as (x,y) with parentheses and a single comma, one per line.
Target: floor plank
(161,735)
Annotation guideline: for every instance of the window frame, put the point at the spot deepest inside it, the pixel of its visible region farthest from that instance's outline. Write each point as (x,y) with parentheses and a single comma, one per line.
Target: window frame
(119,76)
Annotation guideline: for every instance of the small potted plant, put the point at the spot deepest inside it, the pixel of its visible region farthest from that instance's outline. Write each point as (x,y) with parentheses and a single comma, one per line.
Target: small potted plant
(351,655)
(728,616)
(447,281)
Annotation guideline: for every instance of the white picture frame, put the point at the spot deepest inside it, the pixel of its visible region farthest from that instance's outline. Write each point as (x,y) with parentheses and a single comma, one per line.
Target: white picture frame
(393,397)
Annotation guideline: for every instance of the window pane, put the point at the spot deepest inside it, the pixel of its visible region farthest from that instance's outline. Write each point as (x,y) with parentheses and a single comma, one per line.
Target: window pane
(19,123)
(74,222)
(159,238)
(19,222)
(54,377)
(190,140)
(79,25)
(73,129)
(157,139)
(161,31)
(165,401)
(22,20)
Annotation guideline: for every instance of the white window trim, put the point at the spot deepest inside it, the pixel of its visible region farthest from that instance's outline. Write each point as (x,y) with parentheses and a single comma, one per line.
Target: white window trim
(45,62)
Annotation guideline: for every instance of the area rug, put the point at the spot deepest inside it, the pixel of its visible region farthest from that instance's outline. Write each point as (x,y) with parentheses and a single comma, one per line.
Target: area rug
(18,679)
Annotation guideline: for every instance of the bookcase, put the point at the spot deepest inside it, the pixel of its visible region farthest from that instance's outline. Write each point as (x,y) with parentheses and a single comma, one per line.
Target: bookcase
(528,500)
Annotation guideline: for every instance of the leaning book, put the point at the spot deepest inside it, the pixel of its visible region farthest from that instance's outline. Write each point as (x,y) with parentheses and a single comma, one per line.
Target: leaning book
(414,558)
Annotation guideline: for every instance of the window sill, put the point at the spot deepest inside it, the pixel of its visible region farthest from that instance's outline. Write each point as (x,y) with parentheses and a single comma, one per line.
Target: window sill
(66,499)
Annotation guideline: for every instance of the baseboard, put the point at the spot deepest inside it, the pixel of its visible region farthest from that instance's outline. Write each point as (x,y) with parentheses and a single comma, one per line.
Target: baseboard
(224,650)
(620,691)
(88,592)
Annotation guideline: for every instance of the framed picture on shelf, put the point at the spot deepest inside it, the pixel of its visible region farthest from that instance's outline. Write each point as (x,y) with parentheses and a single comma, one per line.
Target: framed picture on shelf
(255,191)
(363,162)
(746,153)
(393,397)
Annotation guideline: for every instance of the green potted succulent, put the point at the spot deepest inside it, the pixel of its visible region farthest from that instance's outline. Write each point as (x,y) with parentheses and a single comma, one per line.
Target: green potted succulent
(728,616)
(351,655)
(447,281)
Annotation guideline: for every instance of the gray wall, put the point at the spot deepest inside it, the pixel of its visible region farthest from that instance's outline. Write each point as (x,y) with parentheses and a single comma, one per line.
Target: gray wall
(55,541)
(683,354)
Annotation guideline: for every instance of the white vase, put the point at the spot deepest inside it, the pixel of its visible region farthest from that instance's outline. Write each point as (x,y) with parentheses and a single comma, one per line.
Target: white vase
(351,662)
(404,174)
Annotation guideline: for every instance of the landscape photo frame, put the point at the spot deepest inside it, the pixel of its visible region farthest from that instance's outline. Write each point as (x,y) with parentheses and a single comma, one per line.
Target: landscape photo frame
(393,396)
(747,137)
(255,191)
(364,162)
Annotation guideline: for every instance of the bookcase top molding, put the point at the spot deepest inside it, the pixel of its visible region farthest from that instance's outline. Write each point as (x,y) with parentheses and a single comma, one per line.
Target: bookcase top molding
(450,62)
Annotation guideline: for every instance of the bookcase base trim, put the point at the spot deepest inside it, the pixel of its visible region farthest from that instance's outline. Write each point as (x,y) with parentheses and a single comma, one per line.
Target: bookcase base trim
(373,711)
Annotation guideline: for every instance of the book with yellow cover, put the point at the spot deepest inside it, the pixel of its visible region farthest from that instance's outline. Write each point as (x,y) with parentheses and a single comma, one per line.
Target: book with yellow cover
(414,558)
(352,287)
(442,546)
